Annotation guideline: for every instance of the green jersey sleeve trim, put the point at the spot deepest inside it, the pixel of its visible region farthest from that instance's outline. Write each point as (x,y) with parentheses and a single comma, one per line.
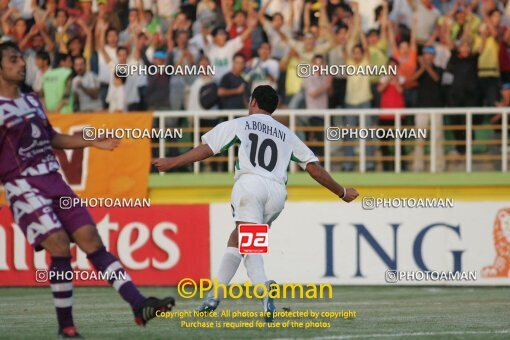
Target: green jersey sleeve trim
(295,159)
(232,142)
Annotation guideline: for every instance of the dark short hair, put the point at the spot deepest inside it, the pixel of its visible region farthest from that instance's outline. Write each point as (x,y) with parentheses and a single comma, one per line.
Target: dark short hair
(265,43)
(181,32)
(372,31)
(403,41)
(240,11)
(360,47)
(238,54)
(377,11)
(277,14)
(44,56)
(63,10)
(492,11)
(345,7)
(340,26)
(266,98)
(73,39)
(60,57)
(7,45)
(393,60)
(80,56)
(109,30)
(219,29)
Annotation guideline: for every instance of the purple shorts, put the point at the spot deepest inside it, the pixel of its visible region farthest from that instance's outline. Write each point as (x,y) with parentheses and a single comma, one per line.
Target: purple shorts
(35,206)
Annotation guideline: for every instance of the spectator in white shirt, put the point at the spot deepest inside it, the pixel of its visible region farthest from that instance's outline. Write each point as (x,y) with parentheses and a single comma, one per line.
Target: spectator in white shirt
(107,52)
(131,80)
(222,50)
(116,97)
(85,87)
(277,30)
(263,70)
(426,16)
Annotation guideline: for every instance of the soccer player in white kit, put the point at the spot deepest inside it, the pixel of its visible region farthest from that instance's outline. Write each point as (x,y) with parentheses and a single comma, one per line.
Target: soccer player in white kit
(266,148)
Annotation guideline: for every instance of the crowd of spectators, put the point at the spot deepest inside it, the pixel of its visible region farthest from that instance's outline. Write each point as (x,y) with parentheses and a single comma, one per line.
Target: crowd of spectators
(448,53)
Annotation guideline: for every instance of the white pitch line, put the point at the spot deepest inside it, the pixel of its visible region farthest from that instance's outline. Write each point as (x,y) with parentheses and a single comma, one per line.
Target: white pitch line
(396,335)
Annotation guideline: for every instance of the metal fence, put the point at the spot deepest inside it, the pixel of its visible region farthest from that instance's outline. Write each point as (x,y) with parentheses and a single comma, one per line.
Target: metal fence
(485,142)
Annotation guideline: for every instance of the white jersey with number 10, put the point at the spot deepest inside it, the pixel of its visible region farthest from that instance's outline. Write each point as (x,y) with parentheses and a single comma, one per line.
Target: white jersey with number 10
(266,146)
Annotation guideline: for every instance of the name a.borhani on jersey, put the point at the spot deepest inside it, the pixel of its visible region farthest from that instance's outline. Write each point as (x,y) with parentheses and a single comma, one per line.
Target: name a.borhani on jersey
(264,128)
(265,146)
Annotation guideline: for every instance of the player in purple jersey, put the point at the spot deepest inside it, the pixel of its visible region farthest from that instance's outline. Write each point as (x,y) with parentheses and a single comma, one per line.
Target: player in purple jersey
(33,187)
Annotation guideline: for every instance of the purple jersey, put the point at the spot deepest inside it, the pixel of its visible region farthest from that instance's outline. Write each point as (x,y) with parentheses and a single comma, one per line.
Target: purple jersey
(29,172)
(25,139)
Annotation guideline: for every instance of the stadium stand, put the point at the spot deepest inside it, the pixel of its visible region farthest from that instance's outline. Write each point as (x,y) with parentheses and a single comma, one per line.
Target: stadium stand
(452,60)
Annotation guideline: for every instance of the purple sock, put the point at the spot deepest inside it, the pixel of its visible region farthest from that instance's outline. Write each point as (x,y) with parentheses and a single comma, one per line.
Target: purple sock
(104,261)
(62,288)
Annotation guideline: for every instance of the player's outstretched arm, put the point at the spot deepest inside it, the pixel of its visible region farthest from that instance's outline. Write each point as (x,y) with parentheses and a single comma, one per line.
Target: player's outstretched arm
(61,141)
(199,153)
(324,178)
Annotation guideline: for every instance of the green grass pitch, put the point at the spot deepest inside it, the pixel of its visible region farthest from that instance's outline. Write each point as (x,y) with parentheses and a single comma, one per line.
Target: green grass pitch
(389,312)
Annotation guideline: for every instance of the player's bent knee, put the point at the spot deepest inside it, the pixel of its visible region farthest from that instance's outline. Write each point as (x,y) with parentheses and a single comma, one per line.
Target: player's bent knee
(233,240)
(233,243)
(57,244)
(88,239)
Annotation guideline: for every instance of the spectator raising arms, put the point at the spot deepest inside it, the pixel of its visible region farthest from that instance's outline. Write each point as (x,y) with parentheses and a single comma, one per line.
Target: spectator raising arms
(263,70)
(108,39)
(223,49)
(406,53)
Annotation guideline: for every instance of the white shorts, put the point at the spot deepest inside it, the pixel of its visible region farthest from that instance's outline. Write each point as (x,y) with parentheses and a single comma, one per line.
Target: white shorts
(256,199)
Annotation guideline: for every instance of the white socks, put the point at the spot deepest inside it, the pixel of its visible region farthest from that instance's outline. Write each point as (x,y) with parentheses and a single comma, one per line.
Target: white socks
(230,262)
(254,264)
(228,268)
